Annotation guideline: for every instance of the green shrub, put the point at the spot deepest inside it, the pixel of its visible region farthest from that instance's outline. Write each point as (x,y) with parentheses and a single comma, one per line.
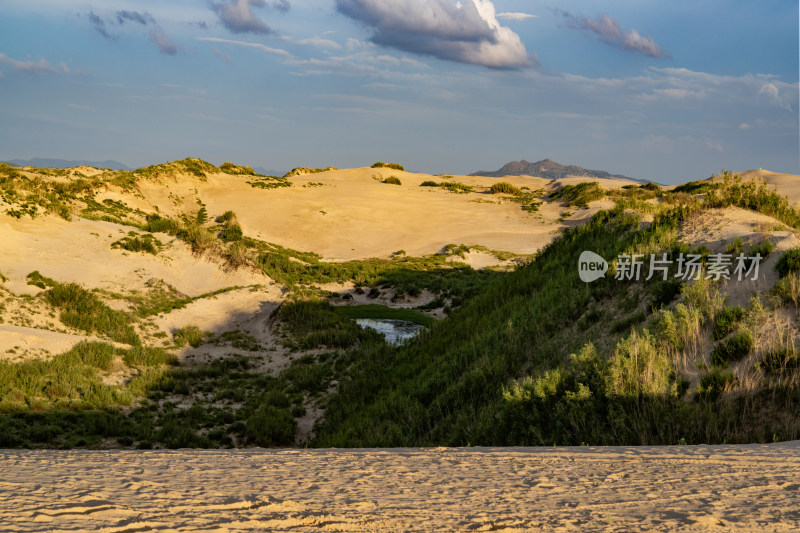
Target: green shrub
(428,183)
(733,349)
(394,166)
(579,195)
(231,233)
(788,262)
(713,383)
(156,224)
(95,354)
(727,320)
(140,356)
(392,180)
(202,215)
(236,170)
(144,243)
(270,426)
(504,188)
(191,335)
(37,280)
(85,311)
(226,217)
(764,248)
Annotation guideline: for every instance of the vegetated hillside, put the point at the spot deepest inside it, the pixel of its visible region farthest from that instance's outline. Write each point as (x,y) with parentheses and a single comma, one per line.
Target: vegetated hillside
(541,358)
(152,309)
(549,169)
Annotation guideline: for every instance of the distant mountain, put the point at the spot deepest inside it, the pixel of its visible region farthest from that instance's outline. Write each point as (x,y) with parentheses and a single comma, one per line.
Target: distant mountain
(548,168)
(44,162)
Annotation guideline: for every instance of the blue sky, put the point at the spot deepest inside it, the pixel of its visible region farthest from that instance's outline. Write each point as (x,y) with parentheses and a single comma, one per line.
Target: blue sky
(662,90)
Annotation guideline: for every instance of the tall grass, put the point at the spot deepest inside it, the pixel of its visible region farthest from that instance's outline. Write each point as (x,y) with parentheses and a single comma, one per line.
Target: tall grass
(83,310)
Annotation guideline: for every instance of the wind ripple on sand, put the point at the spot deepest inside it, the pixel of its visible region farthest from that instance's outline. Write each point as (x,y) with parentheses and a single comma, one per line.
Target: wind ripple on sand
(745,488)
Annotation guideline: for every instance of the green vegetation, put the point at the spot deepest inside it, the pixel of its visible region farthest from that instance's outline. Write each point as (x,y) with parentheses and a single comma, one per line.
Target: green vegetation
(394,166)
(727,320)
(579,195)
(733,349)
(392,180)
(236,170)
(83,310)
(305,170)
(383,312)
(191,335)
(313,324)
(504,188)
(37,280)
(452,186)
(755,195)
(533,360)
(271,182)
(789,262)
(138,243)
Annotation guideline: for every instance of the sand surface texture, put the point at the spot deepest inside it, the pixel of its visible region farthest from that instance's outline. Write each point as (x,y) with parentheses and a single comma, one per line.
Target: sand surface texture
(685,488)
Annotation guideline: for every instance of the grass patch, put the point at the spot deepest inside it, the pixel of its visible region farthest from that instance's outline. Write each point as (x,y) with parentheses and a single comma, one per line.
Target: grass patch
(191,335)
(392,180)
(727,320)
(383,312)
(579,195)
(504,188)
(380,164)
(735,348)
(136,243)
(83,310)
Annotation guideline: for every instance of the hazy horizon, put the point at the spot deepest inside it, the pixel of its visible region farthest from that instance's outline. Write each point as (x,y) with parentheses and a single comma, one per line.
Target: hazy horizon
(653,90)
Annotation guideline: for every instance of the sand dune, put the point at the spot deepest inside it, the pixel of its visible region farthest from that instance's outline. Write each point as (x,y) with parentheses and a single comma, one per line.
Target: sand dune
(685,488)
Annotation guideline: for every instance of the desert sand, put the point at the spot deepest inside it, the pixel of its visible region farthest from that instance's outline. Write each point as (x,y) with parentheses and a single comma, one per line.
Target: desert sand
(683,488)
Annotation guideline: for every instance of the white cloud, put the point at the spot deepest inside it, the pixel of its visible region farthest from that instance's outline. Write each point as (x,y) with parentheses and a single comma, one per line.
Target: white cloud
(516,16)
(465,32)
(32,66)
(258,46)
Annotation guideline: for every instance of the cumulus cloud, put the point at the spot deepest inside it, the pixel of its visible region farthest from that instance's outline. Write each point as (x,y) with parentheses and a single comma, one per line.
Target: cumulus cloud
(32,66)
(164,43)
(610,32)
(134,16)
(238,15)
(770,90)
(516,16)
(465,32)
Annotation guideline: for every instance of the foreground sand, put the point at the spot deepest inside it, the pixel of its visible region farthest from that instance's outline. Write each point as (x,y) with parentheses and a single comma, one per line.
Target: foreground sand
(686,488)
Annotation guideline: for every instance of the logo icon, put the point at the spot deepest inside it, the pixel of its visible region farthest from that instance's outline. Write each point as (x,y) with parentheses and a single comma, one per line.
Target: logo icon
(591,267)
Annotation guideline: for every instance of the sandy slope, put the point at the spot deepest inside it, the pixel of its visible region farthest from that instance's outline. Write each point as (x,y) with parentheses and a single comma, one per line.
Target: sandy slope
(352,215)
(687,488)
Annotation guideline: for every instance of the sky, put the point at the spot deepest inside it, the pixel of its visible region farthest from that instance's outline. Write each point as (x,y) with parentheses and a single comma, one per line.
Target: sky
(665,90)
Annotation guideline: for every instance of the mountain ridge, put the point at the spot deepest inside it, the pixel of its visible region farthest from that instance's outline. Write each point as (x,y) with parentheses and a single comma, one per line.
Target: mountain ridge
(547,168)
(50,162)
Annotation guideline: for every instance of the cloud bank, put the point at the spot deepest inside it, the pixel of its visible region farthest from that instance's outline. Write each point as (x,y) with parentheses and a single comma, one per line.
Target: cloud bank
(610,32)
(465,32)
(32,66)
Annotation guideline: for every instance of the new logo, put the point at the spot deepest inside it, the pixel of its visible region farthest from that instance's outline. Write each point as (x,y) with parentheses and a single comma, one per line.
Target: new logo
(591,267)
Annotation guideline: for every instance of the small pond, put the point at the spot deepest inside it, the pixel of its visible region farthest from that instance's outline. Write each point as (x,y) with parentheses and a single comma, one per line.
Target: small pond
(394,331)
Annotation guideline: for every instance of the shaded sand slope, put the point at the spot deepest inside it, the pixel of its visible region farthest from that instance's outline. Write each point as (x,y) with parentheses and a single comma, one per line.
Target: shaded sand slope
(687,488)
